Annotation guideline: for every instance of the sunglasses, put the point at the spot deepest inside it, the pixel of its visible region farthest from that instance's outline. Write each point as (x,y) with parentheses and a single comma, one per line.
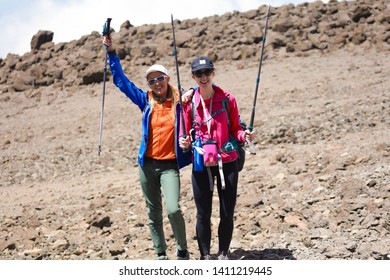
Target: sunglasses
(158,79)
(206,72)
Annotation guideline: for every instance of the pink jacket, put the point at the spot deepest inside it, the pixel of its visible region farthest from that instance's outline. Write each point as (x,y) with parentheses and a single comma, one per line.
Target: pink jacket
(219,128)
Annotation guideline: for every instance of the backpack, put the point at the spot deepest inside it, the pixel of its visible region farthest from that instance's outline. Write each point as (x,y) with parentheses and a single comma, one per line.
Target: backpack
(240,145)
(237,145)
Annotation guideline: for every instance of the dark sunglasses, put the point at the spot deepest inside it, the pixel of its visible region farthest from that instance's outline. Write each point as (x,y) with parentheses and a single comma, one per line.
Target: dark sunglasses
(206,72)
(158,79)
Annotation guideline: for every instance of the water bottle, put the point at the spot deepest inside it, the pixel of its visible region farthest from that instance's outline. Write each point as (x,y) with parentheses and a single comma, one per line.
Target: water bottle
(198,157)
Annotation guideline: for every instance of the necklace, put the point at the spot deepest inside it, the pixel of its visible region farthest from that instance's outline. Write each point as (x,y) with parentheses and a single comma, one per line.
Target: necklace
(159,99)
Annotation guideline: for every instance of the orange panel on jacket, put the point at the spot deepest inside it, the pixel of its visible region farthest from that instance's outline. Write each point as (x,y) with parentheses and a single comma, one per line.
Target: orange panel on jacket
(161,132)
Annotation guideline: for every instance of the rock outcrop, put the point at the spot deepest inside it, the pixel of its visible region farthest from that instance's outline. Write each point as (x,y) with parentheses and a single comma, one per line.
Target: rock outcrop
(296,30)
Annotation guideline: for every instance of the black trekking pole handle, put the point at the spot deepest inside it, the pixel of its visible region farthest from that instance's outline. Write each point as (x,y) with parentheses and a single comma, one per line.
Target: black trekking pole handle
(106,32)
(106,27)
(250,127)
(178,79)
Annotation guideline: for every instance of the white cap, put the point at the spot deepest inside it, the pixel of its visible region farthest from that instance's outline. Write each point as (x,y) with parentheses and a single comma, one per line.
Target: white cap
(156,68)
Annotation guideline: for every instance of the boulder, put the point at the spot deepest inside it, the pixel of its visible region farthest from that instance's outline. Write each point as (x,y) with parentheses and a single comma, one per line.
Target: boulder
(42,37)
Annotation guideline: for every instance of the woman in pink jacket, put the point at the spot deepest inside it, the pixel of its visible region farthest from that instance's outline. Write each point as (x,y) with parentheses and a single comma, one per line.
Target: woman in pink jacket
(212,122)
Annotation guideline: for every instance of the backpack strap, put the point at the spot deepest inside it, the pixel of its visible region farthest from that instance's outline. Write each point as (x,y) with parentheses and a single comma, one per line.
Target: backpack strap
(193,111)
(225,103)
(226,106)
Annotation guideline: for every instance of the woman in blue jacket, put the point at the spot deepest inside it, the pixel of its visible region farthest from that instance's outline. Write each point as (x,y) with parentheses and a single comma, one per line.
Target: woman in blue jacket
(160,156)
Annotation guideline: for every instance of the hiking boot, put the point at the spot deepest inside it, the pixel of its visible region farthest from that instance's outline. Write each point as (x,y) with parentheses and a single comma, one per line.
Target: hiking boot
(162,256)
(223,256)
(183,255)
(206,257)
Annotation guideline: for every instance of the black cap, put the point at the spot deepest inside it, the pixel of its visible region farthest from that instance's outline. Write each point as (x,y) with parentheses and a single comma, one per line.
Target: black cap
(202,62)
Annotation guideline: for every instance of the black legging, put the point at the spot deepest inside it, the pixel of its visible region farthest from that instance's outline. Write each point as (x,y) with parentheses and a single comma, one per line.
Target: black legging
(227,201)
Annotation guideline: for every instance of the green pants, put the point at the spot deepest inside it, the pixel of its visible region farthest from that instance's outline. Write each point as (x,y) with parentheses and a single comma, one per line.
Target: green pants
(157,178)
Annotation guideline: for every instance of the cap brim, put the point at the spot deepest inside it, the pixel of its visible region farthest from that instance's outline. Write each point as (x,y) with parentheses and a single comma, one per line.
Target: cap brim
(200,67)
(146,74)
(156,68)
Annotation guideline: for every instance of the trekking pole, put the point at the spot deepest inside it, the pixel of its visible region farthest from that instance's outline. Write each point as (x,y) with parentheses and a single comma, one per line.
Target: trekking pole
(178,79)
(106,32)
(250,127)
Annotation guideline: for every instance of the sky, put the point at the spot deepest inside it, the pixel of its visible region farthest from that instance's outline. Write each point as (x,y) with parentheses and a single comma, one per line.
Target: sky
(20,20)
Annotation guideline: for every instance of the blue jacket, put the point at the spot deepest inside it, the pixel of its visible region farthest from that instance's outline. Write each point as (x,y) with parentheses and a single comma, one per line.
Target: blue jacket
(140,98)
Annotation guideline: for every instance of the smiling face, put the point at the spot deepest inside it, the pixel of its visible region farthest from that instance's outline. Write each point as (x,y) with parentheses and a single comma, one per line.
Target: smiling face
(158,83)
(204,77)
